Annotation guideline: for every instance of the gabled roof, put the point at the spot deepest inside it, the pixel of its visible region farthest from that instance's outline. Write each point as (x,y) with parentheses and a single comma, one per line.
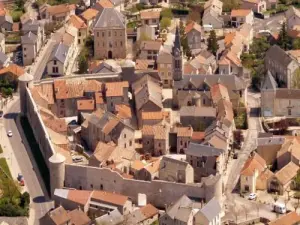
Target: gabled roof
(29,38)
(113,218)
(287,173)
(89,14)
(278,55)
(60,52)
(173,210)
(292,11)
(58,9)
(77,22)
(291,218)
(240,12)
(110,18)
(211,210)
(109,197)
(269,82)
(14,69)
(252,164)
(199,150)
(192,25)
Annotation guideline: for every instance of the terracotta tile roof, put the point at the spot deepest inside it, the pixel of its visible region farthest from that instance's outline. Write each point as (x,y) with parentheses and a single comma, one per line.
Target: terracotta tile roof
(123,111)
(265,175)
(78,217)
(109,197)
(79,196)
(89,14)
(110,125)
(99,98)
(153,167)
(217,142)
(150,45)
(149,211)
(92,86)
(158,131)
(63,8)
(287,173)
(43,92)
(291,218)
(184,131)
(160,115)
(192,25)
(150,14)
(59,216)
(14,69)
(240,12)
(143,64)
(223,61)
(229,38)
(105,3)
(189,69)
(198,135)
(77,22)
(85,104)
(253,163)
(218,92)
(3,11)
(74,88)
(137,165)
(115,89)
(56,124)
(234,58)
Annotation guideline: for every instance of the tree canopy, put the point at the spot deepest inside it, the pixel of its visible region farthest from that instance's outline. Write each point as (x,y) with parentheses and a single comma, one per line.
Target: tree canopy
(213,45)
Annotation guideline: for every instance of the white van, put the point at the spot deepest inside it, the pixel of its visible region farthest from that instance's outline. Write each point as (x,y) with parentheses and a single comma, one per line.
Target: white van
(279,208)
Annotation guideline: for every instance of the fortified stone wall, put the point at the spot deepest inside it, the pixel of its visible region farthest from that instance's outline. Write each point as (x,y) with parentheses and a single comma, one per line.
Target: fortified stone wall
(159,193)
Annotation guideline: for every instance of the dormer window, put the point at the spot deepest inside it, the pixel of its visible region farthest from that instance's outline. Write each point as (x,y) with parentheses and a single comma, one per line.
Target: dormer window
(54,62)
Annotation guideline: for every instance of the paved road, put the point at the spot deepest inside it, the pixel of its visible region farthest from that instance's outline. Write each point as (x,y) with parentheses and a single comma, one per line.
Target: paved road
(28,167)
(236,205)
(272,23)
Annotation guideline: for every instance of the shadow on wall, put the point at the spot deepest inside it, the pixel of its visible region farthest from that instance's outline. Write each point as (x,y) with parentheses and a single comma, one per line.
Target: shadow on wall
(35,150)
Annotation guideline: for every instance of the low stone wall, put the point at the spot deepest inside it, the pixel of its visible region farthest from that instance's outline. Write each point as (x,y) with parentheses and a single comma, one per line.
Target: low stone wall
(159,193)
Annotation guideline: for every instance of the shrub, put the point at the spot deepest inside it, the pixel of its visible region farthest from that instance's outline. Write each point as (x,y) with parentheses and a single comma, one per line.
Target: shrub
(165,23)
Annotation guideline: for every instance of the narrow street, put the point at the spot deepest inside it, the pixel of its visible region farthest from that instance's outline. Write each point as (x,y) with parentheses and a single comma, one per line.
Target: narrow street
(237,207)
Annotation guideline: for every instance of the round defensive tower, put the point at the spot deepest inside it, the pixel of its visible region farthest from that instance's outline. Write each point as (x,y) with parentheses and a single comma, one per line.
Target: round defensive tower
(57,171)
(25,81)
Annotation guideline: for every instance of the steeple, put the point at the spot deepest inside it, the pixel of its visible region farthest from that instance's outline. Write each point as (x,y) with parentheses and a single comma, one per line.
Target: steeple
(177,57)
(177,44)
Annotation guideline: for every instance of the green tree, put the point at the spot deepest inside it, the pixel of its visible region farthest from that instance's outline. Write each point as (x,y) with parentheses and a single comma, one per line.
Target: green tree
(24,199)
(296,43)
(166,12)
(228,5)
(165,23)
(82,63)
(284,40)
(213,45)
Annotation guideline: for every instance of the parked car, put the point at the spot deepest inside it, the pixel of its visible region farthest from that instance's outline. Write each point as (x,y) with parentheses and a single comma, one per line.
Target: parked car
(279,208)
(252,196)
(20,177)
(9,133)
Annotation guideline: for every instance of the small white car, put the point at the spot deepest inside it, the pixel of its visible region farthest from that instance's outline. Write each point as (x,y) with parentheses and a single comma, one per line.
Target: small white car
(9,133)
(252,196)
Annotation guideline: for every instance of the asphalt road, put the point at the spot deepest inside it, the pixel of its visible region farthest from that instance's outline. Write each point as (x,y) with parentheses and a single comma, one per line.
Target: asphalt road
(273,23)
(40,200)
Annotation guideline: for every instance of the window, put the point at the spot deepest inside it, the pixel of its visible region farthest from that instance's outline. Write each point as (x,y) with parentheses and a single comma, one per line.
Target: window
(24,49)
(159,144)
(102,34)
(55,69)
(79,34)
(125,145)
(115,33)
(25,55)
(108,33)
(78,41)
(181,142)
(121,34)
(124,135)
(130,143)
(92,186)
(98,34)
(169,74)
(198,164)
(289,112)
(121,43)
(148,142)
(103,44)
(54,62)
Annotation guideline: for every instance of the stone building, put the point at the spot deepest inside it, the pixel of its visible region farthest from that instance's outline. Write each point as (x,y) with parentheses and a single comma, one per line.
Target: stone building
(110,35)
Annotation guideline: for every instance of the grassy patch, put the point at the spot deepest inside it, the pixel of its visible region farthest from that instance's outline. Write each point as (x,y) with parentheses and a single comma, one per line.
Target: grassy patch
(4,166)
(16,15)
(36,152)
